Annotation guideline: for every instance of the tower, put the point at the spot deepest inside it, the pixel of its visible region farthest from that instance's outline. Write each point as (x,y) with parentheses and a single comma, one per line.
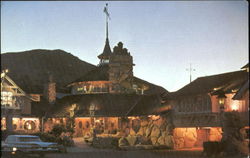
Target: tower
(120,68)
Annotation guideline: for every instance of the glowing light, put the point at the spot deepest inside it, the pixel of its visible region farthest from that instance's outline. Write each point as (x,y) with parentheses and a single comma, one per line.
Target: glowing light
(132,117)
(29,126)
(154,117)
(215,89)
(235,107)
(97,121)
(234,90)
(221,100)
(14,149)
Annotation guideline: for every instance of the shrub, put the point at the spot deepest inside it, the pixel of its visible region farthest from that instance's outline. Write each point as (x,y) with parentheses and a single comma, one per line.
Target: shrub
(46,137)
(58,130)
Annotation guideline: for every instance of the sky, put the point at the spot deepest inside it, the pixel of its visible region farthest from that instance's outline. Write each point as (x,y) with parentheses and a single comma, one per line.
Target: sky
(164,37)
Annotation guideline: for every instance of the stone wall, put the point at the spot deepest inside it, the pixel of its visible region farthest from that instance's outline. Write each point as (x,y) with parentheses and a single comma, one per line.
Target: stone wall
(155,131)
(194,137)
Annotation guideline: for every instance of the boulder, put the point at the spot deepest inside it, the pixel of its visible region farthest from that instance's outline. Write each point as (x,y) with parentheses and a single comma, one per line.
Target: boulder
(123,142)
(132,132)
(148,130)
(178,143)
(141,132)
(155,131)
(143,140)
(164,133)
(144,123)
(131,140)
(161,140)
(159,122)
(179,132)
(189,142)
(127,131)
(154,140)
(169,141)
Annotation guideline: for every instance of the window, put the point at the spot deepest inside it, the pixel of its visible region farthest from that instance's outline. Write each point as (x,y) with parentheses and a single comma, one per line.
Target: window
(11,139)
(7,99)
(29,125)
(29,139)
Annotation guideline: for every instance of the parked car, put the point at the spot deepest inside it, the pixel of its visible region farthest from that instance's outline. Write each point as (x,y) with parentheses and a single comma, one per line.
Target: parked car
(19,145)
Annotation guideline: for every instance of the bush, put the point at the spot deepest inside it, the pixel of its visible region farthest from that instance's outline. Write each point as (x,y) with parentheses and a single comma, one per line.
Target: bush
(58,130)
(46,137)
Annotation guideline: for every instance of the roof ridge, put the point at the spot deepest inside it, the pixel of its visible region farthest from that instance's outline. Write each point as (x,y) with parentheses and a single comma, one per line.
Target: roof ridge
(220,74)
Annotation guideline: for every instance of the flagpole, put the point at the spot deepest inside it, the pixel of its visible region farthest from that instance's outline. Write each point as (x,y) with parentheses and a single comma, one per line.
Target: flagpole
(107,26)
(107,16)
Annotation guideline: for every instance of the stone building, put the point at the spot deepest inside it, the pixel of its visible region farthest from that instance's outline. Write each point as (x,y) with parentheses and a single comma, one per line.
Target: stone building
(114,102)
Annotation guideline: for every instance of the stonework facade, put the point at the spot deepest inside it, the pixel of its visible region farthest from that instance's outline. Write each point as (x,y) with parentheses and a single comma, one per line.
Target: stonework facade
(50,92)
(120,68)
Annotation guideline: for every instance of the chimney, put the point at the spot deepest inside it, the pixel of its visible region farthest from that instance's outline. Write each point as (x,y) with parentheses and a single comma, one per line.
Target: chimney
(50,90)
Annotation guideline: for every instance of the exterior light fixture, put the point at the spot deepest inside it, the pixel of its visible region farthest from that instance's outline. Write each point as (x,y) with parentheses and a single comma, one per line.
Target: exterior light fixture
(221,98)
(235,107)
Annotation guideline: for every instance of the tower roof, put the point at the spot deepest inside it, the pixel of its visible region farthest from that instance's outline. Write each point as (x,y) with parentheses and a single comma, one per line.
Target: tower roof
(106,51)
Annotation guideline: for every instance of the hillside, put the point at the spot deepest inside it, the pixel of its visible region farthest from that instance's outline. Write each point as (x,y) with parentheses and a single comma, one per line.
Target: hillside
(31,69)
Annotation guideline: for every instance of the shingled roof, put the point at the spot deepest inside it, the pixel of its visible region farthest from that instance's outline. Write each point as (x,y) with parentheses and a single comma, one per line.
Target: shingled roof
(108,105)
(106,51)
(243,89)
(101,74)
(222,82)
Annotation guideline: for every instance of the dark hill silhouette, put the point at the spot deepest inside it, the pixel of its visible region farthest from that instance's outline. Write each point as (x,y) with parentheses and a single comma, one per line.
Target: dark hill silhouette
(30,69)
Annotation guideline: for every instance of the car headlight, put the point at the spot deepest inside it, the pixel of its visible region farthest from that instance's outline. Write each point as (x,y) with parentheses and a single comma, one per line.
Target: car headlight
(14,149)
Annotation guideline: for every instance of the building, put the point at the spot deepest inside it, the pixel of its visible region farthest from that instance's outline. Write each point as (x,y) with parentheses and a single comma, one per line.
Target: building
(16,108)
(198,106)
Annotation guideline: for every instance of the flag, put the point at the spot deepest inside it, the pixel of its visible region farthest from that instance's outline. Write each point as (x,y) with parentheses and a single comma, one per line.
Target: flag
(106,10)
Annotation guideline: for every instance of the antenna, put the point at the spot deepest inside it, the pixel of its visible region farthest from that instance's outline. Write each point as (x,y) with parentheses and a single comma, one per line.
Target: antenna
(190,69)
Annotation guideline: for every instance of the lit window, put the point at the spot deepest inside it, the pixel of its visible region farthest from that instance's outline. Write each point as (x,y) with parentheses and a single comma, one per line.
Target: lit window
(6,98)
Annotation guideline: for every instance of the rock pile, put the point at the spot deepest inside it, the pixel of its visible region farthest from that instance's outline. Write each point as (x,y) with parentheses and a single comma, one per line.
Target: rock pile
(151,134)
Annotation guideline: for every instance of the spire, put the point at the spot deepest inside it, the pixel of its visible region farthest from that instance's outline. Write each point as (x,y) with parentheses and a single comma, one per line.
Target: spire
(104,57)
(107,18)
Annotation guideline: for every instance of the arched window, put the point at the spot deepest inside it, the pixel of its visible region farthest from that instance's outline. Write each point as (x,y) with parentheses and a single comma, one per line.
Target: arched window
(29,125)
(80,124)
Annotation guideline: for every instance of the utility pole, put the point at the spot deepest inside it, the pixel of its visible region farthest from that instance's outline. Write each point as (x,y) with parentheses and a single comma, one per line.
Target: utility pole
(190,69)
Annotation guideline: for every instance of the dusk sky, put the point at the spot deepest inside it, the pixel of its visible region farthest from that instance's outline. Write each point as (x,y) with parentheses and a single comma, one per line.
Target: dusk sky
(163,37)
